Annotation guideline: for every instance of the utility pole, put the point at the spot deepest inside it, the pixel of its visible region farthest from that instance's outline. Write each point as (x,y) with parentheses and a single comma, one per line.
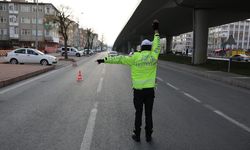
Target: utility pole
(36,44)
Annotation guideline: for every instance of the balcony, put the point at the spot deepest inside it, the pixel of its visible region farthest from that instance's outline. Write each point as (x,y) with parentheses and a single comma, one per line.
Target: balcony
(14,24)
(13,8)
(14,36)
(13,11)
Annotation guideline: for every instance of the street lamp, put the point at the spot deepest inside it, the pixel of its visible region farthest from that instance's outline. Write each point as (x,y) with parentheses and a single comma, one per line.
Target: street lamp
(36,44)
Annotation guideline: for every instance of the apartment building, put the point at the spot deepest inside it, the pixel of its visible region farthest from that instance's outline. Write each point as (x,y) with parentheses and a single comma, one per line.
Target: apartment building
(18,25)
(183,41)
(218,36)
(239,30)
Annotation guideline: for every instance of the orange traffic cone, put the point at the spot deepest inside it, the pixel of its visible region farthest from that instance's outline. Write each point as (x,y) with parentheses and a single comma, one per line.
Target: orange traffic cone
(79,76)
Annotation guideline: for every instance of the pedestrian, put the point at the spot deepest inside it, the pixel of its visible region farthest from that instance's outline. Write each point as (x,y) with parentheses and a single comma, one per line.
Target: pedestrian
(143,65)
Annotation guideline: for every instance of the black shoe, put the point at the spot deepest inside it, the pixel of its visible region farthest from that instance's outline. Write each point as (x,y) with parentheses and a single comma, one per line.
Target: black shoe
(148,138)
(148,135)
(136,138)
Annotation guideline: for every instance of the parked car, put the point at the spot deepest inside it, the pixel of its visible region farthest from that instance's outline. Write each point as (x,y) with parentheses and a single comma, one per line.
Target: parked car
(91,52)
(131,53)
(240,57)
(88,51)
(84,51)
(72,51)
(29,55)
(112,53)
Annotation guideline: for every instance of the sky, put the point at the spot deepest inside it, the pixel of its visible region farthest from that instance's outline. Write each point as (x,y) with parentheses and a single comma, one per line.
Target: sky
(105,17)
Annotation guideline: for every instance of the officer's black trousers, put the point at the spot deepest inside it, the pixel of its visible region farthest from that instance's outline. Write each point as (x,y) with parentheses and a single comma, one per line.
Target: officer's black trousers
(146,97)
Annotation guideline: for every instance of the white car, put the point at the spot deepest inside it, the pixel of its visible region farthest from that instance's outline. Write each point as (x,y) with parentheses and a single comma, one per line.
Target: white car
(29,55)
(113,53)
(72,52)
(241,57)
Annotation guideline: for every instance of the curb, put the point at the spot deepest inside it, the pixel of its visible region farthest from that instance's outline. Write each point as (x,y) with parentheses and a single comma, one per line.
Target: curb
(226,80)
(25,76)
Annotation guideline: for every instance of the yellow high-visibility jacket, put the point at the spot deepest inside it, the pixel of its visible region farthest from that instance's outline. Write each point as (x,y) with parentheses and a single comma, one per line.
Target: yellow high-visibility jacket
(143,65)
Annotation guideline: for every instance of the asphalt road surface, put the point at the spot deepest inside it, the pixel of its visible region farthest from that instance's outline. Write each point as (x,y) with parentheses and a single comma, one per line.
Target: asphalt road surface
(53,111)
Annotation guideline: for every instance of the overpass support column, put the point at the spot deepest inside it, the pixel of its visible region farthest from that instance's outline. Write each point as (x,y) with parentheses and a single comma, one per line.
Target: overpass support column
(200,28)
(168,44)
(124,48)
(129,46)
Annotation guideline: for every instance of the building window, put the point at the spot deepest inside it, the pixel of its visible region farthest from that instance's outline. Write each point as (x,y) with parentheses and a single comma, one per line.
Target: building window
(26,32)
(40,21)
(11,7)
(13,19)
(47,10)
(25,8)
(33,20)
(3,20)
(25,20)
(34,8)
(39,32)
(40,9)
(3,31)
(16,7)
(3,7)
(14,30)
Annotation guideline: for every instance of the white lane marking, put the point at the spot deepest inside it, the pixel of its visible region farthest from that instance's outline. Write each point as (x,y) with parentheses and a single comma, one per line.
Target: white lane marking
(99,88)
(209,107)
(233,121)
(172,86)
(104,69)
(192,97)
(87,138)
(160,79)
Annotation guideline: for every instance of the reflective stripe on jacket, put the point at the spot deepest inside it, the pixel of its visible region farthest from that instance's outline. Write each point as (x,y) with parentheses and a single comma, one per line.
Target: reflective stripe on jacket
(143,65)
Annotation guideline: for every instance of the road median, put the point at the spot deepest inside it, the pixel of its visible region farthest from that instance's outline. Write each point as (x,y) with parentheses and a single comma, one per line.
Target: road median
(13,73)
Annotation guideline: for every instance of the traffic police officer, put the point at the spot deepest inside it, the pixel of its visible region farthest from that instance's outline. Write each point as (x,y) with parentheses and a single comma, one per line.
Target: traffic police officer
(143,66)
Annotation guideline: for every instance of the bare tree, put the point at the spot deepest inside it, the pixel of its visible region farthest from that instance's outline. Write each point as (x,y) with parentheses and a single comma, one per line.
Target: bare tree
(90,38)
(63,18)
(102,42)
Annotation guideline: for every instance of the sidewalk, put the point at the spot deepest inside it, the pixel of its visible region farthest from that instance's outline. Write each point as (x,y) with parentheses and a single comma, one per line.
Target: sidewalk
(12,73)
(225,77)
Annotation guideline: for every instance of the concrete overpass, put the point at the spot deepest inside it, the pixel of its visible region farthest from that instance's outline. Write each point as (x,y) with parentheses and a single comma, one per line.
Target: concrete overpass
(181,16)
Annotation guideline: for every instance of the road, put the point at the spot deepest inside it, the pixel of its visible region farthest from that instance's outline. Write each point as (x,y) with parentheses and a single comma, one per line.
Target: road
(55,112)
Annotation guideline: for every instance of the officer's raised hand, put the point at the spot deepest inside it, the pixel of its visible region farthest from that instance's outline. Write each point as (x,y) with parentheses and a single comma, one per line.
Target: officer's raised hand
(99,61)
(155,25)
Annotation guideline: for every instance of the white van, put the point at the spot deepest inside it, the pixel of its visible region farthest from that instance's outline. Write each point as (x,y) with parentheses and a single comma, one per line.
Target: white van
(179,49)
(72,51)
